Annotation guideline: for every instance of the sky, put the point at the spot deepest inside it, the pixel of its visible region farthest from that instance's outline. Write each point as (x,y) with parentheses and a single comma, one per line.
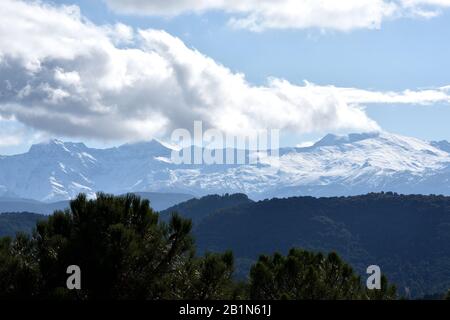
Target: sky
(107,72)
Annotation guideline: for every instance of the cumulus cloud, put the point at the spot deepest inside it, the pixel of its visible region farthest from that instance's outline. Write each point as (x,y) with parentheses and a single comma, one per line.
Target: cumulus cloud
(259,15)
(63,75)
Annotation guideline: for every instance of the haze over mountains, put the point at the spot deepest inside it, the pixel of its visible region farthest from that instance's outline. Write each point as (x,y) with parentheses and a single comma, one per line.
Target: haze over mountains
(159,201)
(335,165)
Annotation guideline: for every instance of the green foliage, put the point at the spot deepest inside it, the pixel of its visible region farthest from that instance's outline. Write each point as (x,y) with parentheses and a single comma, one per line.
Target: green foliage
(387,291)
(207,278)
(125,252)
(121,248)
(19,276)
(307,275)
(358,228)
(406,235)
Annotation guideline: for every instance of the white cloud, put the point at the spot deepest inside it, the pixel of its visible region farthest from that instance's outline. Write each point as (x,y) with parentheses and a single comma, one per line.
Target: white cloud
(7,140)
(412,3)
(60,74)
(11,133)
(122,34)
(424,8)
(305,144)
(259,15)
(358,96)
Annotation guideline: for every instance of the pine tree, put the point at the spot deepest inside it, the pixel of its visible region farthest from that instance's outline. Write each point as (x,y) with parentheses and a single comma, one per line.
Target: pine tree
(307,275)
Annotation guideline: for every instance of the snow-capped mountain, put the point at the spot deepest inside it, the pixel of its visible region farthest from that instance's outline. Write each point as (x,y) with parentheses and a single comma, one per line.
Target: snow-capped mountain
(335,165)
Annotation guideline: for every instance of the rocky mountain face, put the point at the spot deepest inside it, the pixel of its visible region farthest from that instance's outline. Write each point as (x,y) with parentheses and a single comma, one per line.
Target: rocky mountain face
(335,165)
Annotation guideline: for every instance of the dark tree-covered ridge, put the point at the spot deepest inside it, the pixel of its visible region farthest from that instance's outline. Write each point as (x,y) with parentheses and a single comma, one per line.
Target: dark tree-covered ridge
(125,252)
(408,236)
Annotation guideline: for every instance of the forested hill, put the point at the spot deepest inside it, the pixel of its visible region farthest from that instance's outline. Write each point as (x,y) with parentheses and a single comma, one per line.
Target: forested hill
(198,209)
(408,236)
(11,223)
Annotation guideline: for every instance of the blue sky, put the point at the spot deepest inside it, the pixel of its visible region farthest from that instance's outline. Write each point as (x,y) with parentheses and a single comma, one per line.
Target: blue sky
(410,53)
(402,54)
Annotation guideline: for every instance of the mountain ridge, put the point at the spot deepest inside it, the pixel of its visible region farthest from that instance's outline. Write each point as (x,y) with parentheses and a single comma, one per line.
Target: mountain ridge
(406,235)
(158,201)
(335,165)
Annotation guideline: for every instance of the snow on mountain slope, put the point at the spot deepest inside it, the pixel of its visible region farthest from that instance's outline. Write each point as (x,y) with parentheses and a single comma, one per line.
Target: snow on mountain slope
(335,165)
(372,163)
(443,145)
(49,171)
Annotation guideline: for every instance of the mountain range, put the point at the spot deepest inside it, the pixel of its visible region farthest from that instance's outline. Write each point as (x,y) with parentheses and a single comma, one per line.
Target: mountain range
(335,165)
(158,201)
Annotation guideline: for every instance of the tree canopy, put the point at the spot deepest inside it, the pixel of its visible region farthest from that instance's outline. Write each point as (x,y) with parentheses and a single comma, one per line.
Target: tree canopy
(124,251)
(308,275)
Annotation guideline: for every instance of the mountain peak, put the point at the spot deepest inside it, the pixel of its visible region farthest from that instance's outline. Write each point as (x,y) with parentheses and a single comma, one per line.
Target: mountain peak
(333,140)
(355,163)
(154,146)
(442,145)
(54,145)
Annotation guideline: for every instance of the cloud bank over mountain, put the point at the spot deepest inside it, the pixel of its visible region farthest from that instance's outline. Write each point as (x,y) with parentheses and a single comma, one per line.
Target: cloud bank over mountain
(61,74)
(260,15)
